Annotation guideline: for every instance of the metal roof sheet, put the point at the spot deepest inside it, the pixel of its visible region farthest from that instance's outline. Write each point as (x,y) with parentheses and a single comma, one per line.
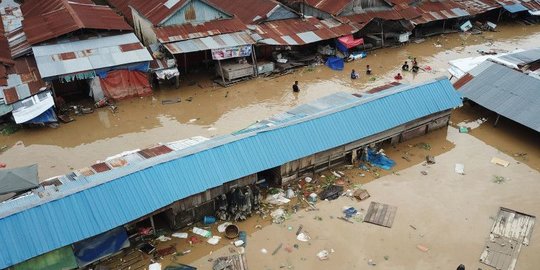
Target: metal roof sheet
(208,43)
(45,20)
(89,54)
(514,8)
(519,59)
(23,80)
(249,11)
(475,7)
(299,31)
(123,7)
(121,195)
(198,30)
(156,11)
(507,92)
(435,11)
(333,7)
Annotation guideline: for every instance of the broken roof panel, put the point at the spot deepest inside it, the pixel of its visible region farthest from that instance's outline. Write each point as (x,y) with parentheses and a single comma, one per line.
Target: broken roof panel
(198,30)
(208,43)
(89,54)
(435,11)
(156,11)
(45,20)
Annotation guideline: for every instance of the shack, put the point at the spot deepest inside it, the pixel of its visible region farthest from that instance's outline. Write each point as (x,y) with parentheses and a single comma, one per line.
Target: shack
(224,45)
(84,49)
(165,178)
(508,86)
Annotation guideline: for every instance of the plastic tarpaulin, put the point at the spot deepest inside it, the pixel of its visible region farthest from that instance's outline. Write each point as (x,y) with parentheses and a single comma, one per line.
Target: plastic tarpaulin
(380,160)
(335,63)
(47,116)
(60,259)
(121,84)
(18,179)
(142,67)
(349,41)
(95,89)
(100,246)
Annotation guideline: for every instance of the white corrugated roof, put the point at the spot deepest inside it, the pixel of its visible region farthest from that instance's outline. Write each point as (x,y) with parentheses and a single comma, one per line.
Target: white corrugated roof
(91,54)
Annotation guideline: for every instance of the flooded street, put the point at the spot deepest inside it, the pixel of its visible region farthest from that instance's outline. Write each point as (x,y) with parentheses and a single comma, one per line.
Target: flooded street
(214,110)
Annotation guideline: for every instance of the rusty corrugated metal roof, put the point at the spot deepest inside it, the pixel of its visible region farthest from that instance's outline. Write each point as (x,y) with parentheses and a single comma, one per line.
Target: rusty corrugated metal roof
(23,78)
(297,32)
(123,7)
(333,7)
(475,7)
(249,11)
(191,30)
(45,20)
(5,54)
(365,17)
(434,11)
(156,11)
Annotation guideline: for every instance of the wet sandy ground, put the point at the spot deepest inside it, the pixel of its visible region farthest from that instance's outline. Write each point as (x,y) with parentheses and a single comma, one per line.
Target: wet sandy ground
(143,122)
(451,213)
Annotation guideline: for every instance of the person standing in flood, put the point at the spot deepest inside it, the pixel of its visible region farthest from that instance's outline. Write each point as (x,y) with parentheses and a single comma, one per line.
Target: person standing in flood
(415,67)
(368,70)
(461,267)
(354,75)
(295,87)
(405,66)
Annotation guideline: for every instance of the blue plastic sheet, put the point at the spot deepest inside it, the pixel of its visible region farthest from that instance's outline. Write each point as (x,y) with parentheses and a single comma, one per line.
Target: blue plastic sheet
(380,160)
(335,63)
(47,116)
(144,66)
(100,246)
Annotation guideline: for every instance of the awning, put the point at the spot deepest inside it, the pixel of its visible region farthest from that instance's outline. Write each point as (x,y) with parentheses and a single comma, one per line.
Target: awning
(515,8)
(61,258)
(209,43)
(18,179)
(32,107)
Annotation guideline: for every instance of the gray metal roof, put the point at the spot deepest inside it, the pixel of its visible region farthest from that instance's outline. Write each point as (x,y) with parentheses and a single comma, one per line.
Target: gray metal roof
(521,58)
(90,54)
(208,43)
(508,92)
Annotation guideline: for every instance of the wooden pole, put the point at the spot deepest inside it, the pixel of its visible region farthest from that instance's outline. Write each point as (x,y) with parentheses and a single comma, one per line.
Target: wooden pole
(497,120)
(254,60)
(443,25)
(382,33)
(500,13)
(221,72)
(185,64)
(152,223)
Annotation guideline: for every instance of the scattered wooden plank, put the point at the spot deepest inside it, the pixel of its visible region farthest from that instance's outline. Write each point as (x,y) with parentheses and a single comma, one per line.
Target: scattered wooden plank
(381,214)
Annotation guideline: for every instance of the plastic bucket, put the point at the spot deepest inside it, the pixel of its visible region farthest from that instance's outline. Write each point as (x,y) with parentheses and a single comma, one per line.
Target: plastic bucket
(232,231)
(209,220)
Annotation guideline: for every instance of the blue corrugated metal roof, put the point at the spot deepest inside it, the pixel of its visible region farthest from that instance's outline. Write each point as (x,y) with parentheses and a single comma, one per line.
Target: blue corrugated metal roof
(116,197)
(514,8)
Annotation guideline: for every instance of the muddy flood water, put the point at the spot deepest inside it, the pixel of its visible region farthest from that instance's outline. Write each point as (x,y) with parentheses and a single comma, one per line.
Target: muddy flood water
(214,110)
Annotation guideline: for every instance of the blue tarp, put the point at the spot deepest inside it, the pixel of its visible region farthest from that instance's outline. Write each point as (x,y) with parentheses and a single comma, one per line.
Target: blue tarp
(47,116)
(100,246)
(143,66)
(379,160)
(340,46)
(335,63)
(515,8)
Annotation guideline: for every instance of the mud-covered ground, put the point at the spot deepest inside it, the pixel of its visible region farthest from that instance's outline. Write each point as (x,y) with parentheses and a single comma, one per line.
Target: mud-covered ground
(214,110)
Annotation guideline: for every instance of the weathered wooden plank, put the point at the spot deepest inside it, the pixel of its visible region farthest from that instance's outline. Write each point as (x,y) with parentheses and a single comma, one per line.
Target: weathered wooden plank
(381,214)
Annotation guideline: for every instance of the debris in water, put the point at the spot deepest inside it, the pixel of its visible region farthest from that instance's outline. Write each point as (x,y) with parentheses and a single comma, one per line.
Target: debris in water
(425,146)
(500,162)
(499,179)
(170,101)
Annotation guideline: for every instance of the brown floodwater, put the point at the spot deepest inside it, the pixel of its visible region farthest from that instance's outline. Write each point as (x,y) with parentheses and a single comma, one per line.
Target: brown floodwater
(214,110)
